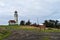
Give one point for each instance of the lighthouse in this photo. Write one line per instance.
(16, 17)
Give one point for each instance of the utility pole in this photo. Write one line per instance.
(37, 21)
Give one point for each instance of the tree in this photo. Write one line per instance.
(46, 23)
(51, 23)
(22, 22)
(34, 24)
(56, 23)
(28, 22)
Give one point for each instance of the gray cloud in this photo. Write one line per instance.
(29, 9)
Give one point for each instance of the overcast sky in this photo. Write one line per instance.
(29, 10)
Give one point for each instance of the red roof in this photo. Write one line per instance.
(12, 21)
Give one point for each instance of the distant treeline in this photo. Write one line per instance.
(52, 23)
(47, 23)
(25, 23)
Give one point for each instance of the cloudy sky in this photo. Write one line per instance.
(29, 10)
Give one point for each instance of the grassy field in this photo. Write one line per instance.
(5, 31)
(31, 28)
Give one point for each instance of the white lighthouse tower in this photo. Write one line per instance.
(16, 16)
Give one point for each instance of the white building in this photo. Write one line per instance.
(16, 17)
(15, 21)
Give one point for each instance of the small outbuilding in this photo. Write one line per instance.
(12, 22)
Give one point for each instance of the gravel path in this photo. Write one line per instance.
(29, 35)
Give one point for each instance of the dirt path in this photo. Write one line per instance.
(28, 35)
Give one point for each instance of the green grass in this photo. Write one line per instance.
(46, 38)
(7, 30)
(31, 28)
(4, 34)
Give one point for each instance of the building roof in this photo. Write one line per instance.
(15, 11)
(12, 21)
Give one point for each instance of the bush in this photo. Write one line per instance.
(28, 22)
(22, 22)
(49, 28)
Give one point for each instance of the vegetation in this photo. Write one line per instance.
(47, 23)
(52, 23)
(46, 38)
(22, 22)
(5, 31)
(25, 23)
(31, 28)
(28, 22)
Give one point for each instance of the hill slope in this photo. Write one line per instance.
(29, 35)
